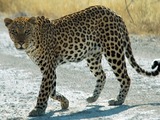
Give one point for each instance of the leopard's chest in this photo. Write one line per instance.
(37, 55)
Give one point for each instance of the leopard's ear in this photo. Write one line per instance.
(32, 20)
(7, 21)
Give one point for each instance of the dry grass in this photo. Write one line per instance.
(145, 13)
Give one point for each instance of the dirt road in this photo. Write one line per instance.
(20, 80)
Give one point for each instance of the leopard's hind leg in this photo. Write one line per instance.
(117, 62)
(94, 63)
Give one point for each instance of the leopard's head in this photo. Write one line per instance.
(21, 31)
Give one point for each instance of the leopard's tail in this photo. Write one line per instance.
(132, 61)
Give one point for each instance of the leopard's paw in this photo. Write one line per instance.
(113, 102)
(65, 104)
(36, 112)
(91, 99)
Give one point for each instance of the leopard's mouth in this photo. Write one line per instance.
(20, 46)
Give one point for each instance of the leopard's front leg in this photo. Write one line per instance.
(48, 81)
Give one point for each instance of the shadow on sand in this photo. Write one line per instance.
(93, 111)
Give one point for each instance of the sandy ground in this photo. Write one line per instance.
(20, 80)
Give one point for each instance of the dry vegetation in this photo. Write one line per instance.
(145, 13)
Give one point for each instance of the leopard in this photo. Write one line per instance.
(88, 34)
(155, 64)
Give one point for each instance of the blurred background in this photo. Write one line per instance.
(140, 16)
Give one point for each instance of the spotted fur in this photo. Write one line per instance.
(87, 34)
(156, 64)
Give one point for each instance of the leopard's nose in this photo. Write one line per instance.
(21, 42)
(21, 45)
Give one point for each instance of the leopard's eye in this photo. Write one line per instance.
(14, 32)
(27, 32)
